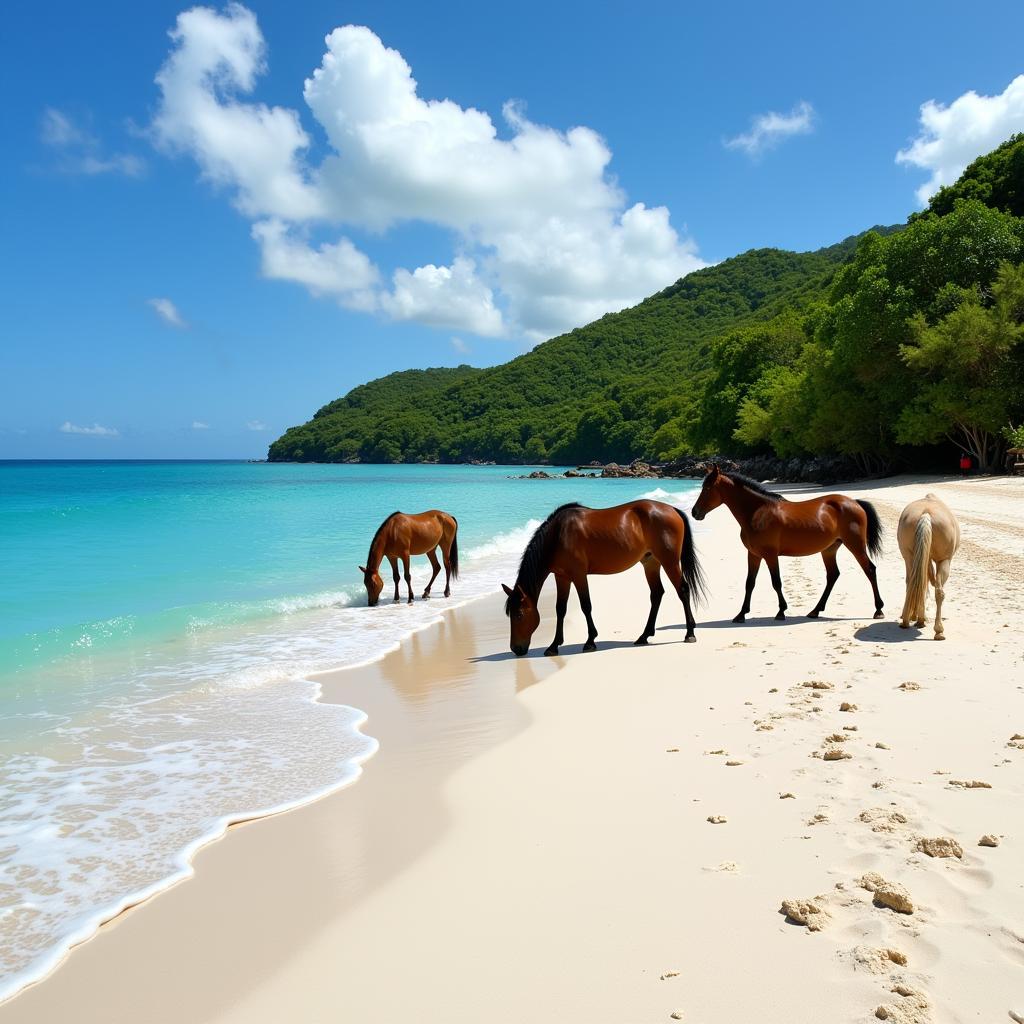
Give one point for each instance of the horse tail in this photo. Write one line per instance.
(874, 528)
(453, 554)
(690, 563)
(917, 579)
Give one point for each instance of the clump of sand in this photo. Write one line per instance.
(813, 914)
(882, 820)
(969, 784)
(818, 684)
(836, 754)
(909, 687)
(913, 1007)
(940, 846)
(887, 894)
(875, 960)
(847, 706)
(716, 819)
(988, 840)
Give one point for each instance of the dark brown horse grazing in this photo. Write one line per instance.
(771, 526)
(400, 536)
(574, 542)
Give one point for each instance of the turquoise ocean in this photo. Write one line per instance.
(159, 622)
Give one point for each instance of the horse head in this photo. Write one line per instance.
(524, 618)
(710, 496)
(373, 583)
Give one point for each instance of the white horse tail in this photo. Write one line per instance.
(917, 584)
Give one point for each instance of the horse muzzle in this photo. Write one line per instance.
(519, 649)
(697, 515)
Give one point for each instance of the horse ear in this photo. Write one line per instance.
(508, 590)
(713, 470)
(362, 569)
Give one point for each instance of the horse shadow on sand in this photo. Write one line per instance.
(570, 650)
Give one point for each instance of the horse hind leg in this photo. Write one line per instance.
(941, 575)
(562, 585)
(652, 569)
(828, 556)
(435, 565)
(408, 575)
(674, 572)
(773, 570)
(860, 552)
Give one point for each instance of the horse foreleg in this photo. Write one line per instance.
(583, 592)
(394, 572)
(828, 556)
(436, 566)
(408, 575)
(861, 554)
(561, 606)
(652, 569)
(941, 575)
(773, 570)
(753, 564)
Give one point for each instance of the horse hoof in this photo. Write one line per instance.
(426, 595)
(813, 615)
(879, 614)
(551, 651)
(590, 646)
(740, 618)
(640, 641)
(904, 625)
(780, 616)
(919, 624)
(447, 593)
(940, 636)
(691, 639)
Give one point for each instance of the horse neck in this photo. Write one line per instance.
(741, 502)
(533, 587)
(376, 555)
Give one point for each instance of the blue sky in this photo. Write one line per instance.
(171, 289)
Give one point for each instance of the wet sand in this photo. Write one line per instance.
(532, 840)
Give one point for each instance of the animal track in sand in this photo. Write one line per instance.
(733, 764)
(836, 737)
(817, 684)
(969, 784)
(909, 687)
(847, 706)
(786, 796)
(817, 819)
(836, 754)
(729, 867)
(882, 746)
(988, 840)
(875, 960)
(716, 819)
(669, 974)
(940, 846)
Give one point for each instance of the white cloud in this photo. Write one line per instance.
(255, 425)
(168, 312)
(94, 431)
(543, 237)
(951, 137)
(200, 425)
(768, 130)
(460, 346)
(80, 152)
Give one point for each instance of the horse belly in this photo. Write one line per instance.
(805, 540)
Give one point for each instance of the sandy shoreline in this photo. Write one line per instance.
(531, 841)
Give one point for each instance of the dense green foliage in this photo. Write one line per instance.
(900, 337)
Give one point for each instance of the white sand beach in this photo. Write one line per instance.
(532, 841)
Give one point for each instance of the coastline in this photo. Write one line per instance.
(524, 845)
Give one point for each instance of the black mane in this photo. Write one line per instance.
(533, 567)
(755, 486)
(377, 534)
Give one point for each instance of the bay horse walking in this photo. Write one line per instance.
(771, 526)
(929, 536)
(400, 536)
(575, 541)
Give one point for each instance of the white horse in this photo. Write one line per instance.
(929, 536)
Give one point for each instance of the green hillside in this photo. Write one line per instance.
(881, 345)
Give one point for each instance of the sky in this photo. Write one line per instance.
(217, 219)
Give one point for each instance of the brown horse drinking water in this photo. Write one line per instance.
(771, 526)
(400, 536)
(574, 542)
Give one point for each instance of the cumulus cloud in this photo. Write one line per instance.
(168, 312)
(94, 431)
(543, 238)
(255, 425)
(768, 130)
(79, 151)
(950, 137)
(200, 425)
